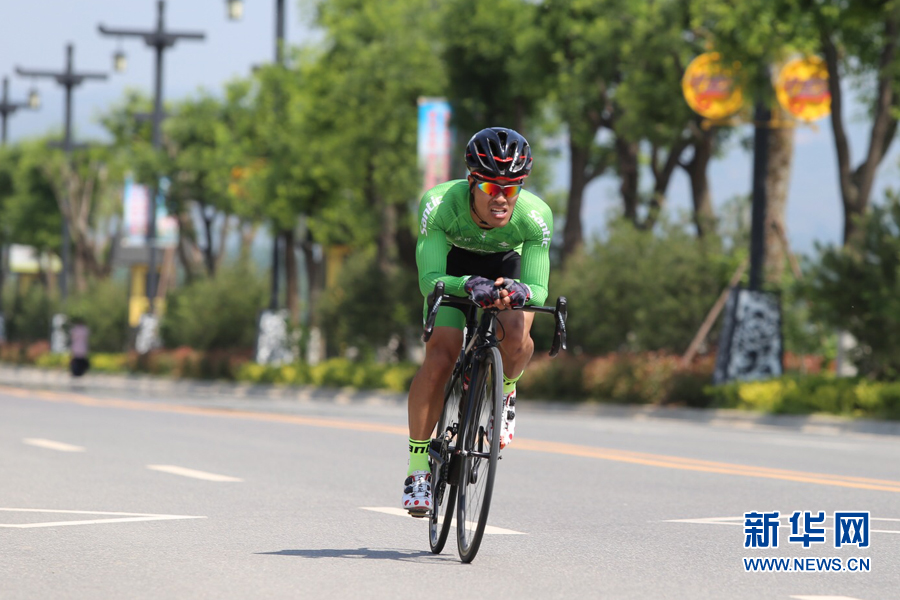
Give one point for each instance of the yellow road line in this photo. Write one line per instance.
(641, 458)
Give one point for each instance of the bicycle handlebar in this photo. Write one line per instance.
(560, 312)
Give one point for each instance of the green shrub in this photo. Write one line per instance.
(559, 378)
(28, 317)
(398, 377)
(105, 362)
(796, 394)
(365, 308)
(49, 360)
(857, 288)
(638, 290)
(104, 309)
(215, 313)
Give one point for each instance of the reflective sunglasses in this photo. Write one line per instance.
(492, 189)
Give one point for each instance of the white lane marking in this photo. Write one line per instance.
(191, 473)
(51, 445)
(740, 521)
(824, 598)
(399, 512)
(121, 518)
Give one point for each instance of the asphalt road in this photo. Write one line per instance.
(106, 495)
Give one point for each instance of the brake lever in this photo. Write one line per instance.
(559, 335)
(434, 304)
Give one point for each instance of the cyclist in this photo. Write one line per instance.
(488, 239)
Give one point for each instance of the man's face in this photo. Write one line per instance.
(496, 207)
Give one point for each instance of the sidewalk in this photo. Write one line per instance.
(32, 377)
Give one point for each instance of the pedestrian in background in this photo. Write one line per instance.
(79, 335)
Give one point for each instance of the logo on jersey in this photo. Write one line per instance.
(536, 217)
(429, 208)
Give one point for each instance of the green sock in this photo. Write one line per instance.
(510, 384)
(418, 456)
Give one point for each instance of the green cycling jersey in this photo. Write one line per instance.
(445, 221)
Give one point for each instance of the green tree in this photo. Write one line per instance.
(492, 80)
(639, 291)
(860, 40)
(30, 214)
(857, 289)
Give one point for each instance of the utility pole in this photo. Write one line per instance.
(279, 237)
(160, 40)
(235, 13)
(7, 108)
(69, 79)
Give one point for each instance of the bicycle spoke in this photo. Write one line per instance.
(480, 461)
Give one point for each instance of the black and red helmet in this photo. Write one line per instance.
(499, 154)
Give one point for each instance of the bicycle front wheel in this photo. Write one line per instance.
(481, 451)
(443, 490)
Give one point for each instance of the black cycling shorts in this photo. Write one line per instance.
(462, 262)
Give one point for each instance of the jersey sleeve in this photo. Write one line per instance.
(432, 248)
(536, 254)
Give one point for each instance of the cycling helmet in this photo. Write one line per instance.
(498, 153)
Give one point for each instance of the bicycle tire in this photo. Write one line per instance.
(443, 492)
(477, 472)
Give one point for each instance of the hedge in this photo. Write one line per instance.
(823, 393)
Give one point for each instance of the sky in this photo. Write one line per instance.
(34, 34)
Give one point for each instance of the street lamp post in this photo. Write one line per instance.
(236, 12)
(7, 108)
(762, 117)
(160, 40)
(69, 79)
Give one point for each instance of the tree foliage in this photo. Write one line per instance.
(857, 289)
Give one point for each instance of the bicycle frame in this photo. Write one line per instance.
(479, 335)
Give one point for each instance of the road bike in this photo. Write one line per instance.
(463, 454)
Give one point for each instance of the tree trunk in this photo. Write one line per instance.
(208, 252)
(856, 185)
(704, 218)
(78, 268)
(315, 278)
(627, 154)
(248, 234)
(778, 178)
(223, 239)
(290, 269)
(387, 237)
(406, 247)
(662, 175)
(572, 233)
(187, 248)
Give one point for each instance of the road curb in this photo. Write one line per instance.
(27, 376)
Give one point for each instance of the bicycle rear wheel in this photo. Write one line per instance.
(443, 491)
(479, 460)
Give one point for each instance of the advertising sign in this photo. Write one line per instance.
(750, 344)
(136, 214)
(435, 140)
(802, 88)
(710, 88)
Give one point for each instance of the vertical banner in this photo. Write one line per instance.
(136, 198)
(435, 140)
(135, 201)
(750, 345)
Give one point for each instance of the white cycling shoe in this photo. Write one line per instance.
(509, 421)
(417, 494)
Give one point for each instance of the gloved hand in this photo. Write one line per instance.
(482, 291)
(519, 293)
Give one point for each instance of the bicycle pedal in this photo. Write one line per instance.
(419, 514)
